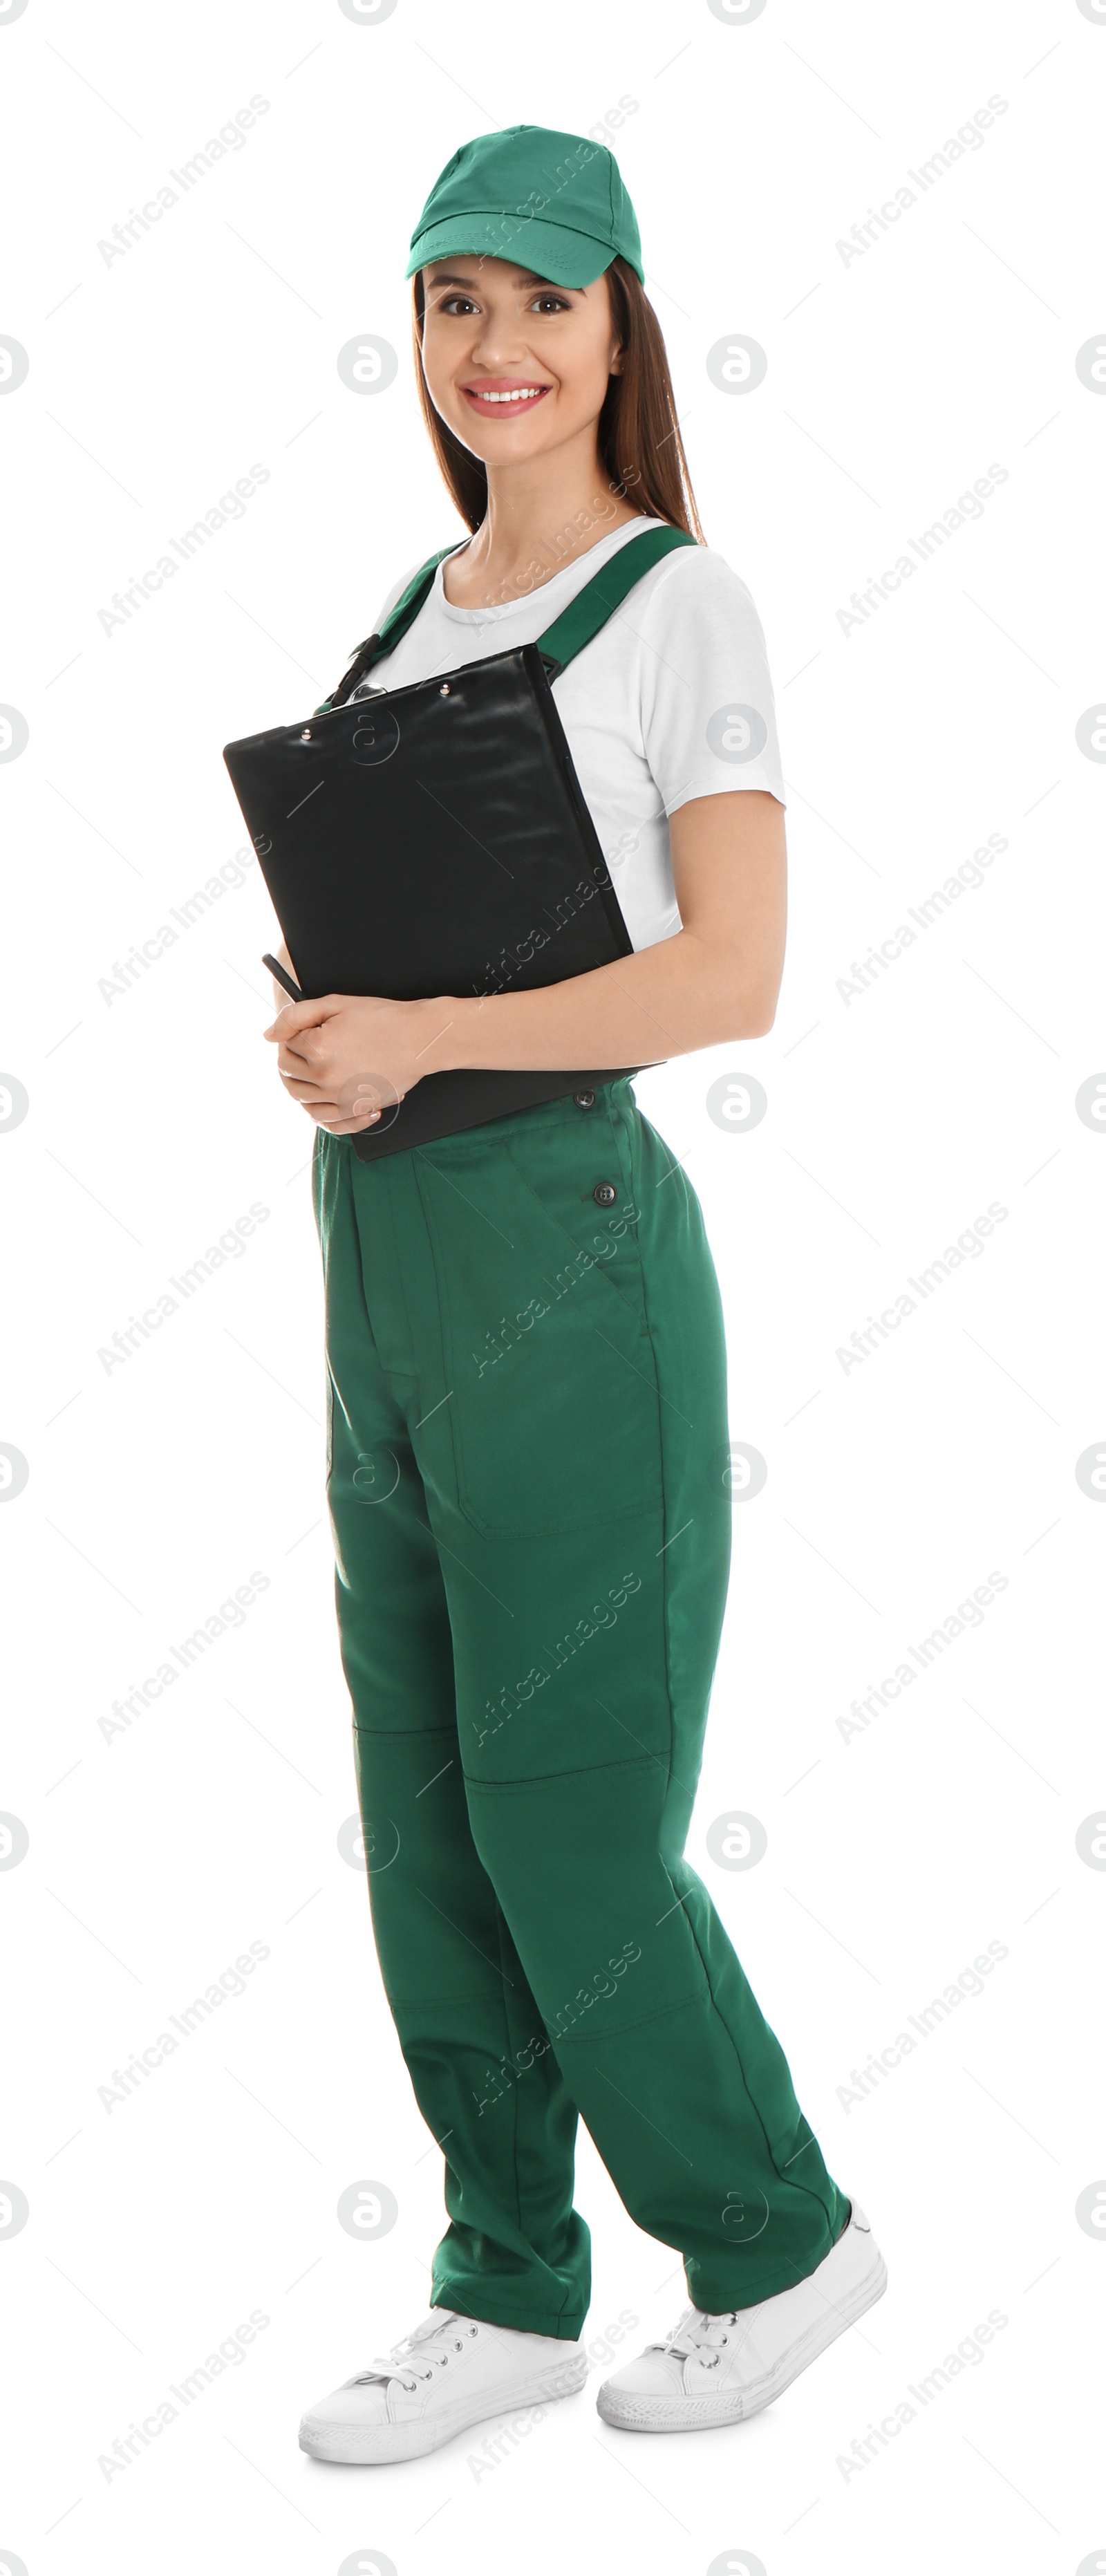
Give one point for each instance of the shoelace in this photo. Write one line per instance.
(695, 2332)
(398, 2362)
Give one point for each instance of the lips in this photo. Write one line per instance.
(504, 401)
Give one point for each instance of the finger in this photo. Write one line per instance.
(337, 1113)
(305, 1062)
(336, 1125)
(304, 1015)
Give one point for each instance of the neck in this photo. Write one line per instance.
(540, 515)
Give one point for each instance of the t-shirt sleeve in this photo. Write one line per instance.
(707, 707)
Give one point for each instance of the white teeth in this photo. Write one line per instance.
(520, 393)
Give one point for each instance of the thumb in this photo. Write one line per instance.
(297, 1016)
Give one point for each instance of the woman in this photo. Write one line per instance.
(526, 1457)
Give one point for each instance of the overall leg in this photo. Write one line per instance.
(515, 2252)
(572, 1448)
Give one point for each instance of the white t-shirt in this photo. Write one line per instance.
(672, 699)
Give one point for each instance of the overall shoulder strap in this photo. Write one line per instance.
(604, 593)
(582, 619)
(395, 625)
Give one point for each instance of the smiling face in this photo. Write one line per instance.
(515, 366)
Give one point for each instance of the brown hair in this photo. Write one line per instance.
(639, 438)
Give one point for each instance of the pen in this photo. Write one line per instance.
(282, 977)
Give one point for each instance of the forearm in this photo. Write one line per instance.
(714, 982)
(667, 1000)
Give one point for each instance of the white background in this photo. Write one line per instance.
(894, 1120)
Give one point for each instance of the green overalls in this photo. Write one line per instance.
(527, 1440)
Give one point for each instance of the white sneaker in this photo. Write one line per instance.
(448, 2373)
(719, 2369)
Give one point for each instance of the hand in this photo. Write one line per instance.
(347, 1056)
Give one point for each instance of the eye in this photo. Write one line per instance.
(546, 300)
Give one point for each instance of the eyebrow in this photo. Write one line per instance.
(521, 277)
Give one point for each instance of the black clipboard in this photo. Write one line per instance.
(435, 839)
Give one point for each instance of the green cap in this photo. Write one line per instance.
(553, 203)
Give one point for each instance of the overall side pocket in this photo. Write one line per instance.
(554, 1400)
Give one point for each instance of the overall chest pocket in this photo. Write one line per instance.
(553, 1403)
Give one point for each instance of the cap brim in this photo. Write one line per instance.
(525, 241)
